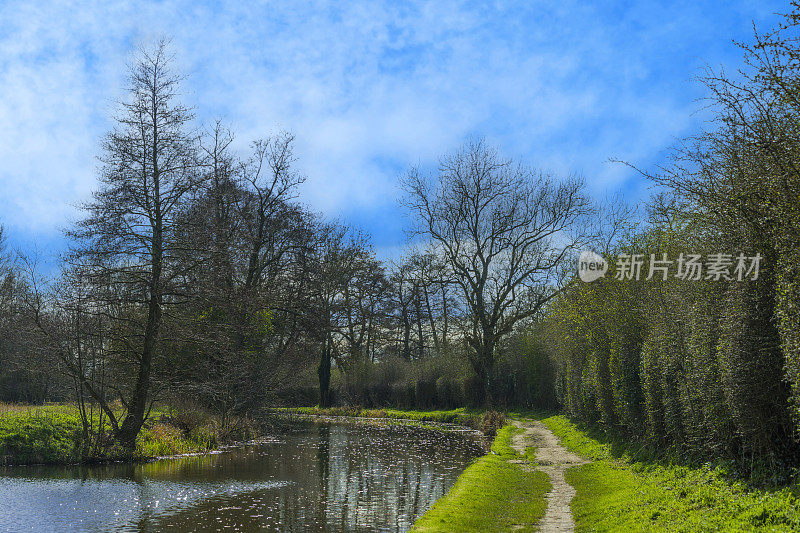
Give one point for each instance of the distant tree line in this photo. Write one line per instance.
(195, 276)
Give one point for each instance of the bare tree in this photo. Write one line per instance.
(150, 169)
(249, 242)
(347, 292)
(364, 295)
(272, 180)
(11, 334)
(403, 296)
(505, 233)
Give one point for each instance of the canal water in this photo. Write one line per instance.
(304, 476)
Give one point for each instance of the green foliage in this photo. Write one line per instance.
(752, 368)
(687, 367)
(594, 335)
(788, 313)
(528, 367)
(264, 320)
(159, 439)
(658, 385)
(708, 420)
(708, 367)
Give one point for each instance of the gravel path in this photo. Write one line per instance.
(553, 460)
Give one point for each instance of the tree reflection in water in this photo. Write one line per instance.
(307, 477)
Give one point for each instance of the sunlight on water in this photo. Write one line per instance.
(315, 477)
(94, 505)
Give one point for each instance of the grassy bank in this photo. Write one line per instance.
(486, 421)
(52, 434)
(492, 494)
(454, 416)
(617, 493)
(47, 434)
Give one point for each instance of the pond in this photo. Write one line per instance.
(304, 476)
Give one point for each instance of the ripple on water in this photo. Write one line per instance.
(307, 477)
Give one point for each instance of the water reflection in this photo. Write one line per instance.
(307, 477)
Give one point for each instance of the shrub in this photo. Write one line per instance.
(448, 393)
(491, 422)
(474, 394)
(425, 393)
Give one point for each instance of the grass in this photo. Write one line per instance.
(616, 493)
(492, 494)
(47, 434)
(454, 416)
(52, 434)
(486, 421)
(159, 439)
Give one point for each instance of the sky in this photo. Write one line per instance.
(368, 89)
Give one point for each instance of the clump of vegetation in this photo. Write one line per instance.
(491, 422)
(160, 439)
(454, 416)
(487, 422)
(704, 366)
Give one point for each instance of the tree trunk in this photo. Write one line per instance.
(406, 336)
(483, 365)
(135, 418)
(138, 405)
(488, 366)
(436, 347)
(324, 372)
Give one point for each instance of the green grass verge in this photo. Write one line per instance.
(492, 494)
(485, 421)
(614, 493)
(47, 434)
(453, 416)
(52, 434)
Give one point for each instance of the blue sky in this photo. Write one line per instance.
(368, 88)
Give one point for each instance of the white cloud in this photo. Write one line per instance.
(366, 87)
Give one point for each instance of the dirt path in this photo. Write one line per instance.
(553, 459)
